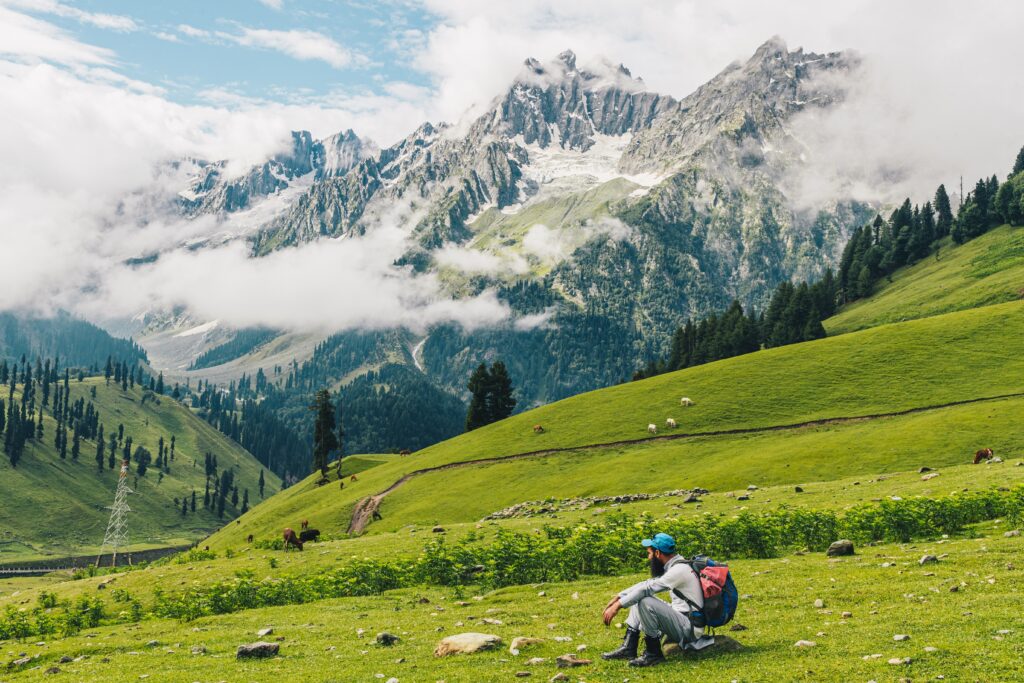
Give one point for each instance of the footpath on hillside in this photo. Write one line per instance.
(368, 508)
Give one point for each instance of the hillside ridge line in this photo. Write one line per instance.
(366, 507)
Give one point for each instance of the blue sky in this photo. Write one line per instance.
(195, 50)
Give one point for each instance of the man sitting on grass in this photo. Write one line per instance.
(653, 616)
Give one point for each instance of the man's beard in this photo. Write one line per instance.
(657, 568)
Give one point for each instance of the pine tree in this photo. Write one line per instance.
(245, 501)
(943, 212)
(476, 415)
(100, 450)
(500, 402)
(262, 483)
(193, 500)
(76, 445)
(206, 496)
(108, 370)
(112, 452)
(324, 439)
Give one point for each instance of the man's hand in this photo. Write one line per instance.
(611, 610)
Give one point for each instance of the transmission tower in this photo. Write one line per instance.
(117, 528)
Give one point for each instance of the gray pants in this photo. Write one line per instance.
(656, 618)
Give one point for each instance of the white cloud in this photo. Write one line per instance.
(273, 4)
(168, 37)
(29, 39)
(193, 32)
(112, 22)
(470, 260)
(551, 245)
(303, 45)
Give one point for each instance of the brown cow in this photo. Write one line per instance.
(983, 454)
(305, 524)
(290, 539)
(248, 538)
(538, 429)
(404, 452)
(353, 478)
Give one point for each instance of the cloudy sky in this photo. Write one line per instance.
(96, 93)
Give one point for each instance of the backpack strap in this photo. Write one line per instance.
(695, 611)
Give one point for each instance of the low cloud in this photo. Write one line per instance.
(551, 245)
(470, 260)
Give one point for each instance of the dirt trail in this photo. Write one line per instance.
(368, 507)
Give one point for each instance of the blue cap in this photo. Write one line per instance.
(662, 542)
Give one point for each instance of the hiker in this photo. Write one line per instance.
(653, 616)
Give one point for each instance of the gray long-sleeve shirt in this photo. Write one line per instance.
(678, 575)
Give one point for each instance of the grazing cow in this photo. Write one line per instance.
(342, 484)
(353, 478)
(983, 454)
(404, 452)
(538, 429)
(670, 423)
(248, 539)
(305, 524)
(307, 535)
(685, 402)
(290, 539)
(652, 428)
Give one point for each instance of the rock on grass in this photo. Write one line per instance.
(257, 650)
(466, 643)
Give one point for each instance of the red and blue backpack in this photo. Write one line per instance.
(720, 595)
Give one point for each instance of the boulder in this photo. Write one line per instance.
(798, 489)
(466, 643)
(721, 644)
(1012, 533)
(840, 548)
(924, 469)
(692, 498)
(264, 632)
(925, 559)
(804, 643)
(257, 650)
(930, 475)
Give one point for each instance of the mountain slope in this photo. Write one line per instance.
(849, 376)
(55, 507)
(986, 270)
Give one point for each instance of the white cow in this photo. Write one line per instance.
(670, 423)
(685, 402)
(652, 428)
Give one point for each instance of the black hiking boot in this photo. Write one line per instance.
(628, 648)
(652, 655)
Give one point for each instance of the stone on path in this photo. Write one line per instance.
(466, 643)
(257, 650)
(804, 643)
(840, 548)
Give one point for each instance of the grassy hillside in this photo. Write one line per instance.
(54, 507)
(942, 360)
(987, 270)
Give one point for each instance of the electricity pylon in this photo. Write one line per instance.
(117, 528)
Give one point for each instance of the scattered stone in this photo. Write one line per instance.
(523, 674)
(924, 469)
(692, 498)
(798, 489)
(264, 632)
(438, 530)
(257, 650)
(52, 670)
(900, 637)
(930, 475)
(743, 497)
(541, 594)
(1012, 533)
(492, 622)
(737, 627)
(153, 643)
(925, 559)
(840, 548)
(533, 661)
(66, 659)
(752, 487)
(387, 639)
(522, 641)
(954, 589)
(581, 647)
(994, 461)
(721, 644)
(575, 596)
(560, 676)
(466, 643)
(198, 650)
(562, 639)
(895, 661)
(931, 649)
(804, 643)
(819, 603)
(569, 661)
